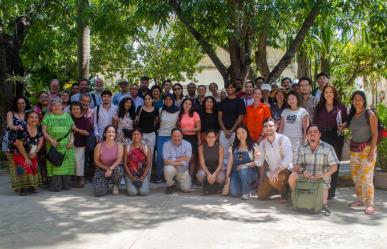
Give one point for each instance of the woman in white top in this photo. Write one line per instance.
(168, 120)
(294, 121)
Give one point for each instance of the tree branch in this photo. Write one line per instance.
(208, 49)
(296, 43)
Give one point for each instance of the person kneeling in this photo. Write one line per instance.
(211, 163)
(177, 155)
(276, 150)
(137, 162)
(315, 160)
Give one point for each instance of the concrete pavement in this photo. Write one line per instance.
(76, 219)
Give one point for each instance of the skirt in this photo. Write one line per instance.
(22, 175)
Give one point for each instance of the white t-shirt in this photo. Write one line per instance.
(293, 121)
(168, 121)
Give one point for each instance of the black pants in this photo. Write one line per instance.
(57, 183)
(337, 142)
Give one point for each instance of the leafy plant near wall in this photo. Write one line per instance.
(382, 147)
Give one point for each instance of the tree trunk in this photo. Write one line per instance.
(296, 43)
(83, 57)
(325, 64)
(302, 64)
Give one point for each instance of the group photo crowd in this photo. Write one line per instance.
(250, 139)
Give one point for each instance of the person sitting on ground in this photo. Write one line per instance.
(315, 160)
(211, 162)
(177, 155)
(137, 164)
(108, 161)
(276, 150)
(241, 171)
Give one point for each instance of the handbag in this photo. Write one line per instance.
(54, 156)
(357, 147)
(308, 195)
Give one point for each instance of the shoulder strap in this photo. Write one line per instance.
(97, 114)
(60, 139)
(93, 96)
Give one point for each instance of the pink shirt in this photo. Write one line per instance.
(188, 122)
(108, 155)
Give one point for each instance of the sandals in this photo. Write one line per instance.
(370, 210)
(356, 204)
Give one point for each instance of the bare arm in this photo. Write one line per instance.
(201, 160)
(120, 154)
(229, 165)
(97, 161)
(221, 159)
(281, 126)
(305, 124)
(374, 132)
(220, 120)
(148, 161)
(47, 136)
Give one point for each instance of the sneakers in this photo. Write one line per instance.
(325, 211)
(245, 196)
(115, 190)
(169, 191)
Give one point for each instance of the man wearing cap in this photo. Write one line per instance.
(287, 84)
(308, 101)
(144, 86)
(124, 92)
(322, 80)
(266, 91)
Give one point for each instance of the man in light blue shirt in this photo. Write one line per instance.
(83, 90)
(177, 154)
(124, 92)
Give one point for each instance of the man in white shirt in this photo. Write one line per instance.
(322, 80)
(104, 114)
(276, 150)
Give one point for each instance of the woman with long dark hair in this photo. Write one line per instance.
(137, 165)
(294, 121)
(108, 157)
(331, 117)
(24, 172)
(147, 118)
(279, 97)
(123, 121)
(189, 123)
(178, 94)
(209, 118)
(363, 124)
(241, 167)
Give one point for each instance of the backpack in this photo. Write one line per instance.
(382, 133)
(308, 195)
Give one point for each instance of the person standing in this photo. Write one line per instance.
(54, 89)
(259, 81)
(287, 84)
(123, 120)
(148, 118)
(364, 126)
(213, 87)
(84, 90)
(230, 116)
(266, 92)
(96, 94)
(178, 94)
(138, 101)
(331, 117)
(279, 96)
(168, 120)
(158, 101)
(294, 121)
(167, 86)
(308, 101)
(144, 86)
(124, 91)
(255, 115)
(24, 172)
(104, 114)
(65, 97)
(248, 98)
(322, 80)
(81, 129)
(198, 104)
(190, 125)
(191, 89)
(209, 118)
(58, 126)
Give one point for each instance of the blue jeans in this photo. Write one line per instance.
(242, 181)
(133, 190)
(161, 140)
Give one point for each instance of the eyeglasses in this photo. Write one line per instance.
(176, 89)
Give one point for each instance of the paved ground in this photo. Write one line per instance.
(76, 219)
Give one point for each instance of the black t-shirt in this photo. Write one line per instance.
(209, 121)
(231, 109)
(146, 120)
(83, 124)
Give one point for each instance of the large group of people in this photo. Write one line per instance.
(246, 139)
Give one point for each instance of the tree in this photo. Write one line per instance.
(83, 58)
